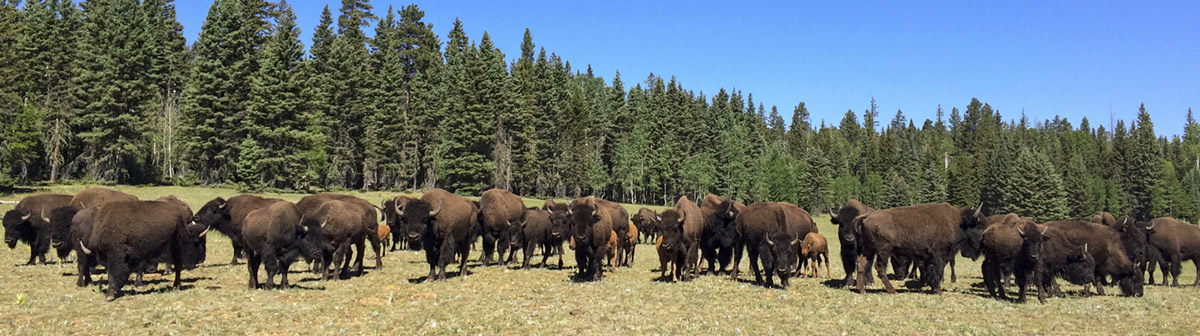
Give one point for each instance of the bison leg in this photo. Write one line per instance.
(1023, 286)
(271, 263)
(1176, 267)
(360, 246)
(881, 271)
(138, 282)
(118, 273)
(826, 262)
(991, 271)
(252, 262)
(737, 259)
(83, 265)
(377, 246)
(953, 277)
(752, 254)
(237, 251)
(283, 270)
(489, 245)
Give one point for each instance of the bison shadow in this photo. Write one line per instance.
(185, 280)
(449, 275)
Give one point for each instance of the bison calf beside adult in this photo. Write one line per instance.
(815, 249)
(926, 233)
(29, 222)
(130, 235)
(275, 237)
(368, 225)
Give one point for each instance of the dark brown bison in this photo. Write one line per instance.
(1008, 240)
(925, 233)
(847, 236)
(671, 255)
(804, 224)
(765, 231)
(1105, 249)
(1059, 257)
(498, 210)
(132, 235)
(686, 218)
(646, 221)
(717, 238)
(592, 221)
(560, 228)
(274, 237)
(29, 222)
(1135, 242)
(368, 224)
(340, 226)
(227, 216)
(97, 196)
(443, 222)
(72, 228)
(532, 231)
(1176, 242)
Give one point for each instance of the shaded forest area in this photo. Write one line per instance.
(109, 90)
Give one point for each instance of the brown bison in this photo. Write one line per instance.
(227, 216)
(367, 229)
(340, 224)
(925, 233)
(274, 237)
(671, 255)
(766, 231)
(816, 250)
(1105, 249)
(646, 221)
(847, 236)
(533, 230)
(1008, 240)
(689, 221)
(560, 228)
(29, 222)
(717, 237)
(391, 210)
(385, 235)
(131, 235)
(498, 209)
(1176, 242)
(592, 221)
(97, 196)
(444, 223)
(630, 245)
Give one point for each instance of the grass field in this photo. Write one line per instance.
(494, 300)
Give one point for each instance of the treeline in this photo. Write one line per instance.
(109, 90)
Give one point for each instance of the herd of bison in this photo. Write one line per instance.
(126, 235)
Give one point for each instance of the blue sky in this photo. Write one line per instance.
(1046, 58)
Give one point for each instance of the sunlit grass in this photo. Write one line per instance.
(495, 300)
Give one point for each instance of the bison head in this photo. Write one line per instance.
(1032, 239)
(311, 240)
(417, 218)
(672, 238)
(215, 213)
(15, 222)
(778, 252)
(60, 226)
(558, 218)
(516, 232)
(973, 224)
(583, 216)
(1133, 240)
(193, 244)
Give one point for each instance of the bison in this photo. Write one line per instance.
(131, 235)
(533, 230)
(847, 235)
(630, 243)
(443, 223)
(29, 222)
(671, 255)
(97, 196)
(498, 209)
(367, 228)
(925, 233)
(1105, 249)
(1176, 242)
(816, 250)
(717, 237)
(560, 228)
(391, 209)
(274, 237)
(766, 231)
(646, 221)
(340, 224)
(592, 222)
(385, 235)
(227, 216)
(688, 219)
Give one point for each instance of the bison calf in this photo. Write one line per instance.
(816, 250)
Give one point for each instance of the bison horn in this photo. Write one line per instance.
(26, 217)
(767, 238)
(1084, 247)
(44, 218)
(657, 218)
(84, 248)
(979, 209)
(81, 205)
(1151, 227)
(682, 216)
(437, 210)
(205, 232)
(1045, 229)
(595, 208)
(325, 222)
(223, 204)
(1022, 232)
(795, 241)
(832, 215)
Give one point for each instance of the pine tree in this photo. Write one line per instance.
(800, 133)
(1083, 202)
(10, 31)
(1036, 188)
(525, 136)
(896, 192)
(933, 184)
(387, 146)
(465, 166)
(349, 97)
(168, 72)
(1141, 179)
(423, 61)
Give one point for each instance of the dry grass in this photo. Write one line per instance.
(495, 300)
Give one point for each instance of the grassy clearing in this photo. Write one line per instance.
(495, 300)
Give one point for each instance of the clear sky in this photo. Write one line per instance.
(1046, 58)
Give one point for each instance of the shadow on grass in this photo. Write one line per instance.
(185, 280)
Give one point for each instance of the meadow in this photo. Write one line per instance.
(43, 299)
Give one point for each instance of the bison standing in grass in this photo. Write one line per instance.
(340, 227)
(560, 228)
(717, 238)
(689, 221)
(927, 233)
(391, 217)
(815, 249)
(768, 233)
(847, 236)
(646, 221)
(131, 235)
(1176, 242)
(367, 229)
(671, 255)
(592, 221)
(1105, 249)
(443, 223)
(274, 236)
(498, 210)
(29, 222)
(227, 216)
(533, 230)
